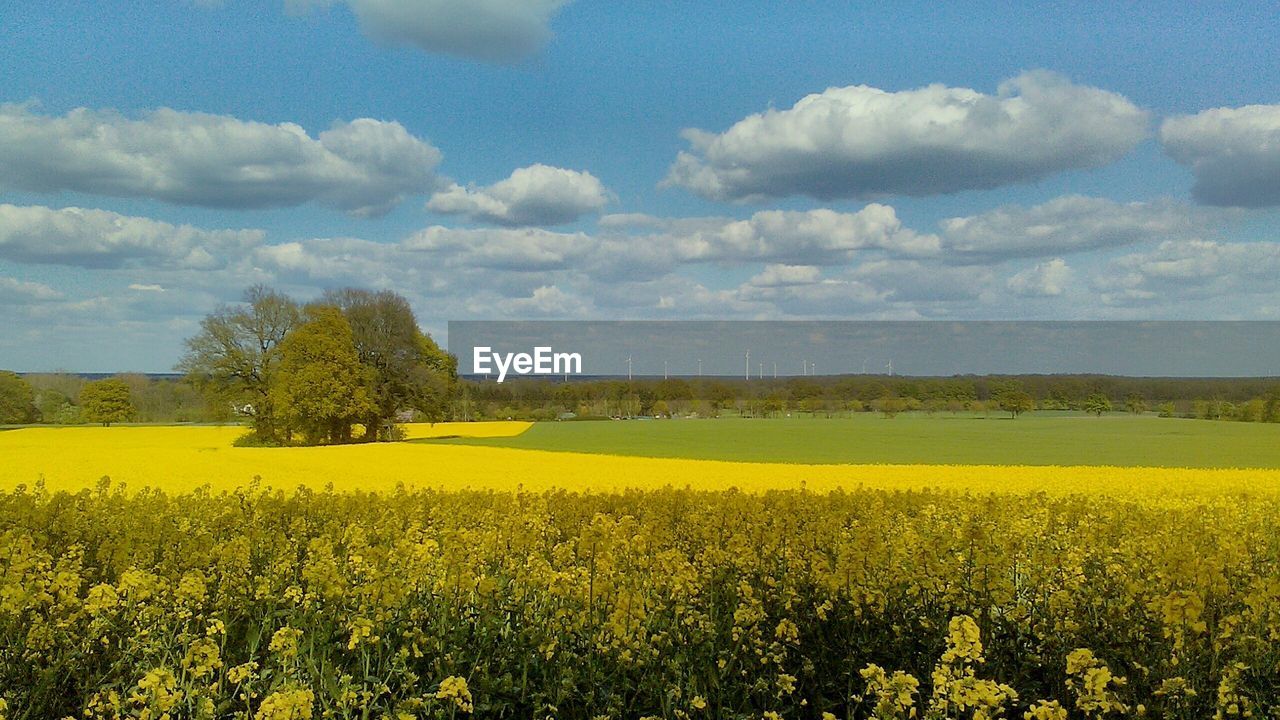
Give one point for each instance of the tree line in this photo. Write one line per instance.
(68, 399)
(1248, 399)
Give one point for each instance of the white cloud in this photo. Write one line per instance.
(860, 142)
(1199, 260)
(1070, 224)
(915, 281)
(146, 287)
(534, 195)
(819, 237)
(491, 30)
(786, 275)
(336, 261)
(546, 301)
(812, 237)
(1046, 279)
(1204, 269)
(102, 239)
(820, 297)
(525, 249)
(1233, 152)
(18, 292)
(631, 220)
(364, 167)
(669, 225)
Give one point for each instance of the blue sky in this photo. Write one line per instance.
(498, 159)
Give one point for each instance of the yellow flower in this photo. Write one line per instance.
(242, 673)
(101, 598)
(156, 694)
(202, 658)
(286, 704)
(285, 642)
(454, 689)
(361, 632)
(1046, 710)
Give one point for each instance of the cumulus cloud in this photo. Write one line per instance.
(656, 246)
(915, 281)
(817, 237)
(860, 142)
(811, 237)
(1200, 260)
(632, 222)
(491, 30)
(102, 239)
(435, 262)
(547, 301)
(1046, 279)
(328, 262)
(1180, 269)
(17, 292)
(534, 195)
(818, 296)
(786, 275)
(1070, 224)
(364, 167)
(1234, 154)
(526, 249)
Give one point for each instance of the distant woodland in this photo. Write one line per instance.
(59, 398)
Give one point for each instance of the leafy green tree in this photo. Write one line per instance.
(56, 407)
(1009, 396)
(1251, 411)
(1015, 402)
(773, 404)
(890, 405)
(106, 401)
(671, 389)
(17, 401)
(1135, 404)
(321, 389)
(721, 395)
(1097, 404)
(1271, 405)
(406, 369)
(235, 355)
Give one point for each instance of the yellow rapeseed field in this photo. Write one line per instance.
(417, 580)
(179, 459)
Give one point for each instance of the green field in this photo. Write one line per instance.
(1034, 439)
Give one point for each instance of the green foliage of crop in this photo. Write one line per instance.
(1032, 439)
